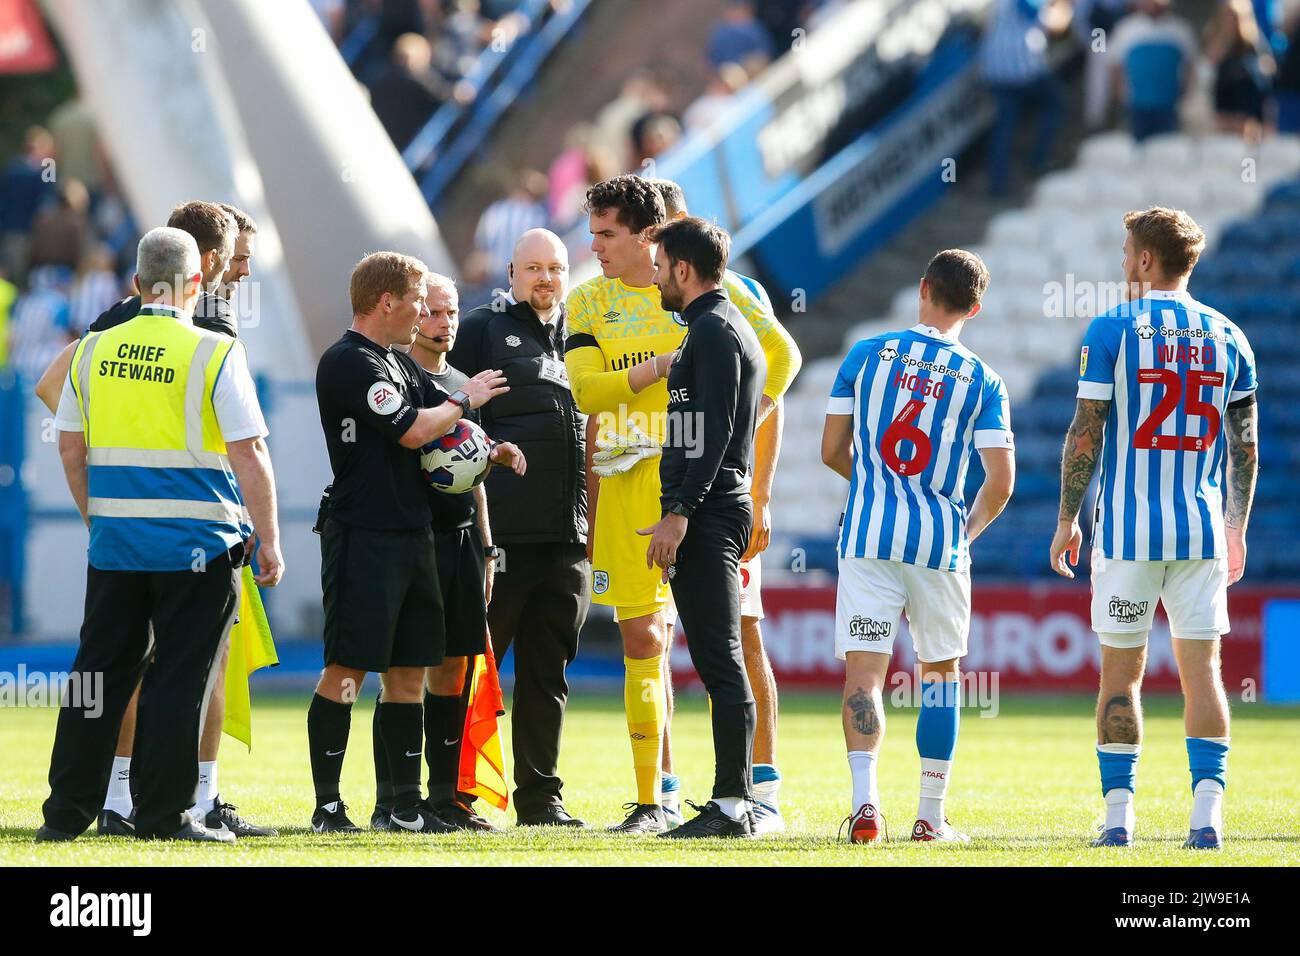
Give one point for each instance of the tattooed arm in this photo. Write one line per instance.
(1078, 461)
(1243, 466)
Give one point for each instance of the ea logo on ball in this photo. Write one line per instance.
(383, 398)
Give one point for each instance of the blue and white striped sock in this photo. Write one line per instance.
(936, 741)
(1118, 766)
(1207, 758)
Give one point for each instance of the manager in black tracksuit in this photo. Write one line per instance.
(540, 589)
(714, 386)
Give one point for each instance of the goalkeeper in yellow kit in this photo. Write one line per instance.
(620, 344)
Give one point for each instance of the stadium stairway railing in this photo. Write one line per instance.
(499, 77)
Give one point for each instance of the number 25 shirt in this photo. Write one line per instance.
(1170, 367)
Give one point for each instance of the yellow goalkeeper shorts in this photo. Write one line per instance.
(626, 503)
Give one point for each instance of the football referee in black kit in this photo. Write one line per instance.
(379, 576)
(714, 386)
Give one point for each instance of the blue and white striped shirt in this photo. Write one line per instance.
(921, 402)
(1170, 367)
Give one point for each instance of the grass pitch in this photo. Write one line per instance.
(1024, 787)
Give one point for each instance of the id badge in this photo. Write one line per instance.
(554, 371)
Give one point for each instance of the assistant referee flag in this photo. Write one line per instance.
(251, 649)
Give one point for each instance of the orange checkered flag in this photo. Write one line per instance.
(482, 755)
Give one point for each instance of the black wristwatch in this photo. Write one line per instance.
(461, 399)
(493, 553)
(679, 508)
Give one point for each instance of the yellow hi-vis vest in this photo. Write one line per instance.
(162, 495)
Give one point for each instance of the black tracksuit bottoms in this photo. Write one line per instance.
(191, 613)
(706, 589)
(540, 600)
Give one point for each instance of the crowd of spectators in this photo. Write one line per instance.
(1145, 69)
(412, 56)
(66, 240)
(642, 122)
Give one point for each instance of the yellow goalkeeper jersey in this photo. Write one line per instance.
(612, 326)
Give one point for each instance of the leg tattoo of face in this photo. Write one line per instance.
(865, 720)
(1119, 721)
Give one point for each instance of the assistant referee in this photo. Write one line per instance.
(714, 387)
(379, 575)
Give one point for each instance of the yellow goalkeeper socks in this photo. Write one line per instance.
(646, 705)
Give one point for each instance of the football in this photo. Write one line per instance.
(457, 461)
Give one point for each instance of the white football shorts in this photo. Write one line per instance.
(873, 594)
(751, 587)
(1124, 596)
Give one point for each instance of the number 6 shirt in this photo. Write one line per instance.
(1170, 367)
(921, 402)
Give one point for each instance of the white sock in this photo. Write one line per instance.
(862, 764)
(768, 792)
(934, 787)
(207, 792)
(1207, 805)
(118, 798)
(669, 799)
(734, 807)
(1119, 809)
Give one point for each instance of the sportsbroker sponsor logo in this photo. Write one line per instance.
(865, 629)
(1126, 612)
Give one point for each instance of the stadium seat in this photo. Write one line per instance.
(1070, 189)
(1170, 152)
(1108, 151)
(1015, 228)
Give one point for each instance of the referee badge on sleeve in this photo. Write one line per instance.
(1083, 360)
(383, 398)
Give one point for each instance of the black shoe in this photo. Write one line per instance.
(553, 816)
(333, 818)
(644, 818)
(224, 815)
(112, 823)
(711, 822)
(51, 835)
(460, 817)
(418, 819)
(381, 817)
(193, 833)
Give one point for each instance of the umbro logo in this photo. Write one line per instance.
(514, 341)
(638, 736)
(1145, 332)
(888, 353)
(612, 315)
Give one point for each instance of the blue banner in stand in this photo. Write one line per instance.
(865, 195)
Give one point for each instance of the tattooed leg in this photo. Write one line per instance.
(863, 712)
(1119, 703)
